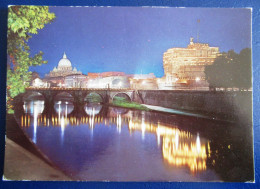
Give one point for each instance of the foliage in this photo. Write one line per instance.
(94, 98)
(122, 102)
(23, 21)
(230, 70)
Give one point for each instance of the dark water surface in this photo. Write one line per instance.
(116, 144)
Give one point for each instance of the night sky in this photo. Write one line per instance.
(133, 40)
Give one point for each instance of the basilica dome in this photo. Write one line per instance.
(64, 68)
(64, 62)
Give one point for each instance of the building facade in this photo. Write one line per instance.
(75, 81)
(64, 68)
(184, 67)
(113, 82)
(65, 76)
(143, 81)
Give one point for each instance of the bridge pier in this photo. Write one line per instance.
(79, 103)
(78, 110)
(18, 103)
(49, 107)
(137, 97)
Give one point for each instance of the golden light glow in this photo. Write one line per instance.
(179, 148)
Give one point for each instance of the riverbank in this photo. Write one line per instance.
(128, 104)
(188, 113)
(20, 164)
(23, 161)
(224, 105)
(146, 107)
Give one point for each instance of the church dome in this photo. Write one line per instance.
(64, 62)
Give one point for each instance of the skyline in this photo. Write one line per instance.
(133, 40)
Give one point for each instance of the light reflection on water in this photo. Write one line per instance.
(34, 108)
(174, 147)
(63, 107)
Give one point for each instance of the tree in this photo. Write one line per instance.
(243, 67)
(230, 70)
(220, 73)
(23, 21)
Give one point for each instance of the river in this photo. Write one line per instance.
(116, 144)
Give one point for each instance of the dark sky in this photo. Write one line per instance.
(133, 40)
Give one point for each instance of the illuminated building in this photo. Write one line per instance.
(105, 74)
(146, 84)
(143, 81)
(75, 80)
(184, 67)
(108, 82)
(64, 68)
(39, 83)
(64, 75)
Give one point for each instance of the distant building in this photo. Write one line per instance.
(75, 80)
(64, 68)
(144, 81)
(65, 76)
(144, 76)
(105, 74)
(184, 67)
(146, 84)
(108, 82)
(37, 82)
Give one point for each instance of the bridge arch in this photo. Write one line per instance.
(63, 96)
(63, 103)
(95, 97)
(121, 95)
(32, 101)
(33, 95)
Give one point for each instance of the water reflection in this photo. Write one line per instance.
(30, 107)
(93, 109)
(33, 108)
(109, 143)
(117, 110)
(179, 148)
(63, 107)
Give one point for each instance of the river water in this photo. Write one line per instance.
(116, 144)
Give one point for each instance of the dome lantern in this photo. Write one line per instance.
(64, 62)
(64, 55)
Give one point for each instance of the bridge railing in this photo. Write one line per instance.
(77, 88)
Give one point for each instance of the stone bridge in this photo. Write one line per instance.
(77, 95)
